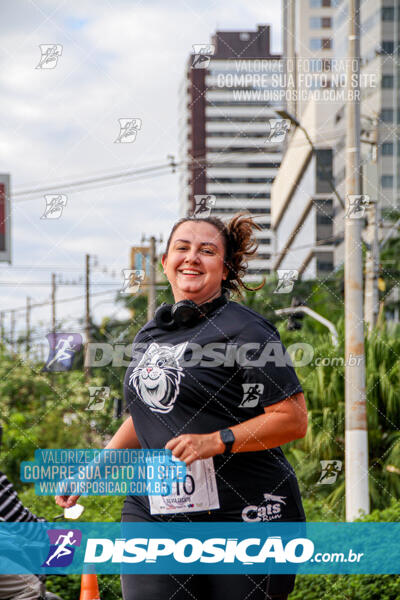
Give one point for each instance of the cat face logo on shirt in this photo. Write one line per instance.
(157, 377)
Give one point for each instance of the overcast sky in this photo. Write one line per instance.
(121, 58)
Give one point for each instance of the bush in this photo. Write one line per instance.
(349, 587)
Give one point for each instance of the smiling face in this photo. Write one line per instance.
(194, 264)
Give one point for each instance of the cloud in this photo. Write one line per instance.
(124, 59)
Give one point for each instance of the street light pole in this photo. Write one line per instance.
(292, 310)
(356, 437)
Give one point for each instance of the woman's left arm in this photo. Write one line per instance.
(281, 423)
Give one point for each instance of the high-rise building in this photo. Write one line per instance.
(302, 198)
(229, 94)
(308, 34)
(379, 100)
(380, 110)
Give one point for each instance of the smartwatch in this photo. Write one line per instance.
(228, 438)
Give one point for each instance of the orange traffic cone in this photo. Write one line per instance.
(89, 587)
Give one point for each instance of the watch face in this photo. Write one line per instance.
(227, 436)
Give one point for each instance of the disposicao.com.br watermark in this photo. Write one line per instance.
(217, 547)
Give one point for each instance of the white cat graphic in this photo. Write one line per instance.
(157, 377)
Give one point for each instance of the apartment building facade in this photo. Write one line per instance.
(227, 147)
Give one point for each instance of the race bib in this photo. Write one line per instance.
(197, 492)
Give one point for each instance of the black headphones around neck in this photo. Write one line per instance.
(186, 312)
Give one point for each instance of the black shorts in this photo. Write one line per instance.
(202, 587)
(206, 587)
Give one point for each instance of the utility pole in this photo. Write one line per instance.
(371, 299)
(53, 302)
(151, 294)
(87, 316)
(151, 306)
(356, 438)
(12, 330)
(28, 326)
(2, 328)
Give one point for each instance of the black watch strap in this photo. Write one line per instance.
(228, 438)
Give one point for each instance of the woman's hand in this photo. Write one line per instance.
(193, 446)
(66, 501)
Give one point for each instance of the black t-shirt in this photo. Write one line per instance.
(220, 372)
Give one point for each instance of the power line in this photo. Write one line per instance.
(46, 303)
(101, 180)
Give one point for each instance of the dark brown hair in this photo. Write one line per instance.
(239, 242)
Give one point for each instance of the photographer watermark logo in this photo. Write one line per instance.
(62, 349)
(132, 281)
(62, 547)
(202, 55)
(98, 397)
(251, 394)
(357, 205)
(286, 280)
(50, 54)
(203, 205)
(55, 204)
(128, 129)
(330, 471)
(277, 130)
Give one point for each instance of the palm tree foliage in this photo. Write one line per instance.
(323, 385)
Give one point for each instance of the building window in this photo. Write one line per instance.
(388, 13)
(324, 266)
(240, 179)
(320, 22)
(391, 115)
(321, 3)
(233, 209)
(387, 115)
(259, 271)
(387, 47)
(315, 44)
(387, 149)
(323, 170)
(262, 196)
(387, 181)
(320, 44)
(387, 81)
(263, 256)
(265, 241)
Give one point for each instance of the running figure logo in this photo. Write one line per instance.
(62, 349)
(202, 55)
(278, 128)
(55, 204)
(61, 552)
(286, 279)
(132, 280)
(98, 397)
(128, 129)
(203, 205)
(330, 471)
(356, 206)
(251, 394)
(50, 54)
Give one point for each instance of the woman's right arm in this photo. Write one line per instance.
(125, 437)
